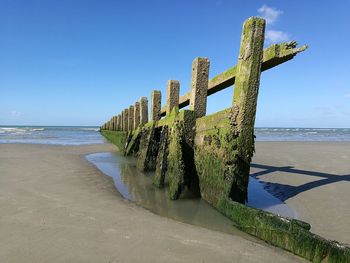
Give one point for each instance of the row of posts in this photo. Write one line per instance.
(137, 115)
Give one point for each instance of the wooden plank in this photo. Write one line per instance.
(273, 56)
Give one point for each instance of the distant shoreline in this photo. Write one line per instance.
(78, 135)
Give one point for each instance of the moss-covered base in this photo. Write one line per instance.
(118, 138)
(221, 171)
(148, 148)
(162, 158)
(180, 164)
(133, 144)
(292, 235)
(176, 168)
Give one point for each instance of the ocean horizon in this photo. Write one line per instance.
(53, 135)
(79, 135)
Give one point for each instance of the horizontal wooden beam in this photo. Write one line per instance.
(273, 56)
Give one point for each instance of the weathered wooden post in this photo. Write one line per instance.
(156, 98)
(136, 115)
(199, 86)
(119, 122)
(245, 99)
(173, 93)
(143, 110)
(223, 166)
(114, 123)
(123, 123)
(126, 120)
(131, 118)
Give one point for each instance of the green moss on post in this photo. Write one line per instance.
(176, 168)
(245, 100)
(181, 136)
(118, 138)
(132, 146)
(216, 156)
(148, 149)
(290, 234)
(162, 158)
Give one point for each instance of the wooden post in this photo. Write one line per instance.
(122, 116)
(245, 100)
(114, 123)
(172, 95)
(199, 86)
(131, 118)
(248, 79)
(119, 122)
(143, 110)
(126, 120)
(156, 98)
(136, 115)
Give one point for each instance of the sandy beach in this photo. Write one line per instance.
(311, 177)
(57, 207)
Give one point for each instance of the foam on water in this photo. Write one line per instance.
(59, 135)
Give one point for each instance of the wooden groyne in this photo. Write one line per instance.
(210, 155)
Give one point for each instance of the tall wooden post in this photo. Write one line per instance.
(199, 86)
(119, 122)
(245, 99)
(126, 120)
(136, 115)
(172, 95)
(131, 118)
(123, 123)
(143, 110)
(114, 123)
(156, 98)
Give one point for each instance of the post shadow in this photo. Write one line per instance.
(285, 191)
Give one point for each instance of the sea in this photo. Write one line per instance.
(78, 135)
(54, 135)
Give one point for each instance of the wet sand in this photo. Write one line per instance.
(311, 177)
(57, 207)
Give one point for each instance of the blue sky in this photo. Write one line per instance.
(79, 62)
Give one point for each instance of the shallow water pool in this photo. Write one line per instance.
(137, 187)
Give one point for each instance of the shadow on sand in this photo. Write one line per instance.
(284, 191)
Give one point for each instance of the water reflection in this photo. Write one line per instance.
(137, 187)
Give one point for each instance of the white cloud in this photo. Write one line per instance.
(270, 14)
(274, 36)
(347, 95)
